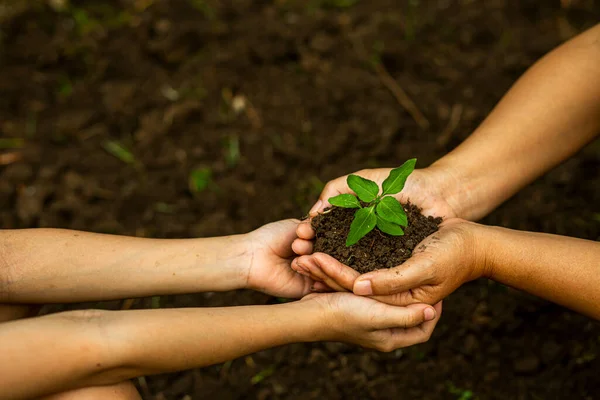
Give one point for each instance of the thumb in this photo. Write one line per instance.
(413, 273)
(404, 317)
(331, 189)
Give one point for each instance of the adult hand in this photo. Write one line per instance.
(439, 265)
(372, 324)
(270, 257)
(431, 188)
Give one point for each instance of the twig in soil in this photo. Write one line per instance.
(390, 83)
(144, 387)
(10, 158)
(253, 116)
(127, 303)
(401, 96)
(453, 122)
(225, 370)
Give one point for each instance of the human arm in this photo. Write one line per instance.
(558, 268)
(53, 265)
(69, 350)
(551, 112)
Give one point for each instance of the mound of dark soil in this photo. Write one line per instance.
(377, 249)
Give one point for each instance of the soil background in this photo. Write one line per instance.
(276, 98)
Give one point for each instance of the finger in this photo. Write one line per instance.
(403, 317)
(321, 287)
(302, 247)
(401, 299)
(299, 267)
(413, 273)
(342, 274)
(331, 189)
(418, 334)
(305, 230)
(310, 263)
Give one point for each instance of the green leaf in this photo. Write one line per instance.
(199, 179)
(364, 222)
(345, 201)
(262, 375)
(391, 210)
(389, 227)
(118, 150)
(11, 143)
(365, 189)
(394, 183)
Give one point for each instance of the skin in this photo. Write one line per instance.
(549, 114)
(92, 353)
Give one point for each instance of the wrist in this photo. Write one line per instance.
(242, 251)
(219, 264)
(484, 248)
(455, 187)
(310, 318)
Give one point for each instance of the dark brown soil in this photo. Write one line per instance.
(159, 76)
(377, 249)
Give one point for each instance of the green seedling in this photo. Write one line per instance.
(262, 375)
(199, 179)
(461, 394)
(232, 150)
(155, 302)
(381, 210)
(118, 150)
(11, 143)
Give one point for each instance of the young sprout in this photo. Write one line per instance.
(381, 210)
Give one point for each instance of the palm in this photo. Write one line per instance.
(421, 189)
(270, 270)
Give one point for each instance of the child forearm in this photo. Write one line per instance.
(54, 265)
(550, 113)
(79, 349)
(560, 269)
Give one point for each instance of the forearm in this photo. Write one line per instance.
(71, 350)
(560, 269)
(550, 113)
(53, 265)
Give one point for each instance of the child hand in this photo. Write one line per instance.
(269, 268)
(439, 265)
(372, 324)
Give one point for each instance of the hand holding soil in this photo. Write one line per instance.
(432, 189)
(439, 265)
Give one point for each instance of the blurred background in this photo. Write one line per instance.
(190, 118)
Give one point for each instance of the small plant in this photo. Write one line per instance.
(199, 180)
(119, 151)
(381, 210)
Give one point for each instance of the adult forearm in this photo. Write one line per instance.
(53, 265)
(550, 113)
(560, 269)
(81, 349)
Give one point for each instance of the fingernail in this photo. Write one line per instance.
(363, 288)
(316, 207)
(429, 314)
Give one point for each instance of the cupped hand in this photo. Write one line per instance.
(372, 324)
(271, 255)
(439, 265)
(428, 188)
